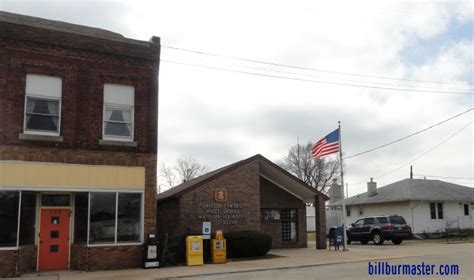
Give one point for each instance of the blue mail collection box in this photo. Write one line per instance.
(336, 237)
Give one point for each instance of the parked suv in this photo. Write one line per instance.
(378, 229)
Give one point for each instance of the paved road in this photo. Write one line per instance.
(359, 270)
(302, 263)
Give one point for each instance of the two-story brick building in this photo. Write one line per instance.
(78, 145)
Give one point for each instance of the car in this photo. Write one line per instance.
(378, 229)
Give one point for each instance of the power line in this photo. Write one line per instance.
(430, 150)
(313, 81)
(445, 177)
(309, 68)
(408, 136)
(423, 154)
(318, 76)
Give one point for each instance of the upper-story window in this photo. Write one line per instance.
(42, 105)
(118, 112)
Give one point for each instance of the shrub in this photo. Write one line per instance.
(246, 244)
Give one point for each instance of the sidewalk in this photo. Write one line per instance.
(289, 258)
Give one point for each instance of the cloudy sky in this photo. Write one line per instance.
(385, 69)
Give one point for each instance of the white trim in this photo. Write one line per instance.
(285, 189)
(19, 220)
(65, 189)
(61, 163)
(36, 132)
(115, 244)
(142, 219)
(88, 216)
(115, 137)
(116, 217)
(9, 248)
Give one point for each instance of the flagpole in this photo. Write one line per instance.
(342, 191)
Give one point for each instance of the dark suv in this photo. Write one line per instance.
(378, 229)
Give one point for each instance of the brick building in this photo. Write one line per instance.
(78, 145)
(252, 194)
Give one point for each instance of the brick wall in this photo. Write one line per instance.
(78, 257)
(274, 197)
(27, 259)
(242, 185)
(320, 216)
(166, 218)
(8, 263)
(84, 64)
(245, 188)
(114, 257)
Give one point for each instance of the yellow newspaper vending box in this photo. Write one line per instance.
(219, 248)
(194, 250)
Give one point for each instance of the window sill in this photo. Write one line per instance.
(36, 137)
(114, 244)
(117, 143)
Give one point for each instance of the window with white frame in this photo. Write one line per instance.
(436, 210)
(118, 119)
(42, 105)
(115, 218)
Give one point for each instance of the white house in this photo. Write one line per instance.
(427, 205)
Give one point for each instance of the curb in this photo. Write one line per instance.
(279, 268)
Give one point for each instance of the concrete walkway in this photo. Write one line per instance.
(288, 258)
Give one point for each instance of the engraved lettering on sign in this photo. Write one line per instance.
(222, 213)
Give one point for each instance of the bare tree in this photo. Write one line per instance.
(185, 169)
(317, 173)
(189, 168)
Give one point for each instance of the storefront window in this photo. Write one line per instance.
(128, 220)
(81, 203)
(102, 218)
(27, 219)
(8, 218)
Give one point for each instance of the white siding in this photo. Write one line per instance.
(453, 213)
(310, 219)
(417, 214)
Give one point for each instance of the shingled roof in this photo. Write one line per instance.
(414, 189)
(267, 168)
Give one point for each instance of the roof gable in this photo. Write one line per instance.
(298, 185)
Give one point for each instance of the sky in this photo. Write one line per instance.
(384, 69)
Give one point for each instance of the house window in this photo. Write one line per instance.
(270, 215)
(440, 210)
(436, 210)
(115, 218)
(348, 211)
(42, 105)
(466, 209)
(118, 116)
(289, 225)
(9, 202)
(361, 211)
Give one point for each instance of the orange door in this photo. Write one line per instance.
(54, 239)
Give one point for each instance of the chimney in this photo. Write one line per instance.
(371, 187)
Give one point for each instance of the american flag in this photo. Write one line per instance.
(327, 145)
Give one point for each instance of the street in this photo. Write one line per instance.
(358, 270)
